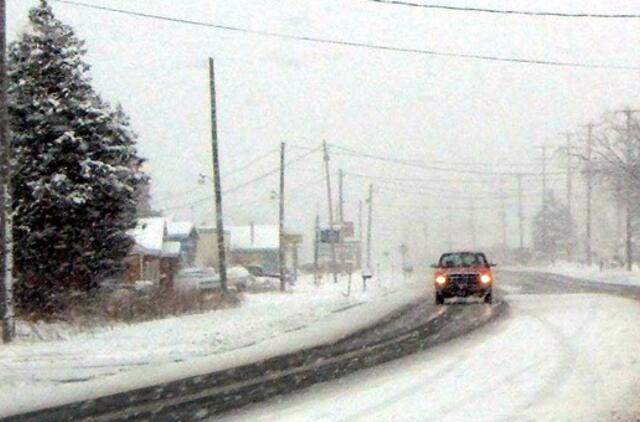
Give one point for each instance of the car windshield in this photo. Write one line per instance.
(227, 208)
(464, 259)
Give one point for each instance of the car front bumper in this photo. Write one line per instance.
(467, 285)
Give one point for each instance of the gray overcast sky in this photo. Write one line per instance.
(395, 104)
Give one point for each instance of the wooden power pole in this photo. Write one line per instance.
(627, 191)
(589, 180)
(569, 191)
(520, 211)
(545, 234)
(341, 216)
(503, 215)
(330, 205)
(316, 244)
(370, 203)
(217, 183)
(360, 237)
(6, 238)
(281, 250)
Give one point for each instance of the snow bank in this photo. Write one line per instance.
(38, 374)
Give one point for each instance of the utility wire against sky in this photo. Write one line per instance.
(411, 163)
(355, 44)
(510, 11)
(423, 179)
(244, 184)
(353, 153)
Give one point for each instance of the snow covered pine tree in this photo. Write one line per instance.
(77, 175)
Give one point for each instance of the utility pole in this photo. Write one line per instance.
(341, 212)
(589, 180)
(545, 235)
(340, 195)
(282, 250)
(6, 235)
(370, 202)
(330, 204)
(216, 182)
(503, 215)
(569, 190)
(425, 232)
(627, 194)
(360, 237)
(449, 229)
(520, 211)
(472, 223)
(316, 242)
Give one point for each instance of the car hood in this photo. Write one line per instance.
(463, 270)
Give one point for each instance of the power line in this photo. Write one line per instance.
(452, 195)
(244, 184)
(510, 12)
(251, 162)
(165, 195)
(504, 59)
(421, 186)
(428, 180)
(416, 164)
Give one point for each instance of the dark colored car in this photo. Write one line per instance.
(463, 274)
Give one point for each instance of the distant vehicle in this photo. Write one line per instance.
(256, 270)
(208, 279)
(463, 274)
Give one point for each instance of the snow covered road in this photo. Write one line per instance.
(558, 356)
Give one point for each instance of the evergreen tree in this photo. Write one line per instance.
(76, 168)
(553, 229)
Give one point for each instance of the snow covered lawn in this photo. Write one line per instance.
(82, 365)
(583, 272)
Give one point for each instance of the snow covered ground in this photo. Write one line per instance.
(583, 272)
(556, 357)
(82, 365)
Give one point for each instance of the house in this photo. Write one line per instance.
(255, 245)
(186, 234)
(153, 257)
(207, 251)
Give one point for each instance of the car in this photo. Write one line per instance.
(208, 279)
(255, 270)
(463, 274)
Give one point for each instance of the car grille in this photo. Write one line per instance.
(463, 278)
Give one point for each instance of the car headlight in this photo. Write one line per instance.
(485, 278)
(441, 279)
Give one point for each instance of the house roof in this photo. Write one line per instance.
(149, 235)
(179, 230)
(264, 237)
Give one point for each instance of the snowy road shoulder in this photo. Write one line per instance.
(42, 374)
(556, 357)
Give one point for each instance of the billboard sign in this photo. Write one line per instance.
(329, 235)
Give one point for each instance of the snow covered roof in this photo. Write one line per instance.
(179, 230)
(149, 235)
(171, 249)
(264, 237)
